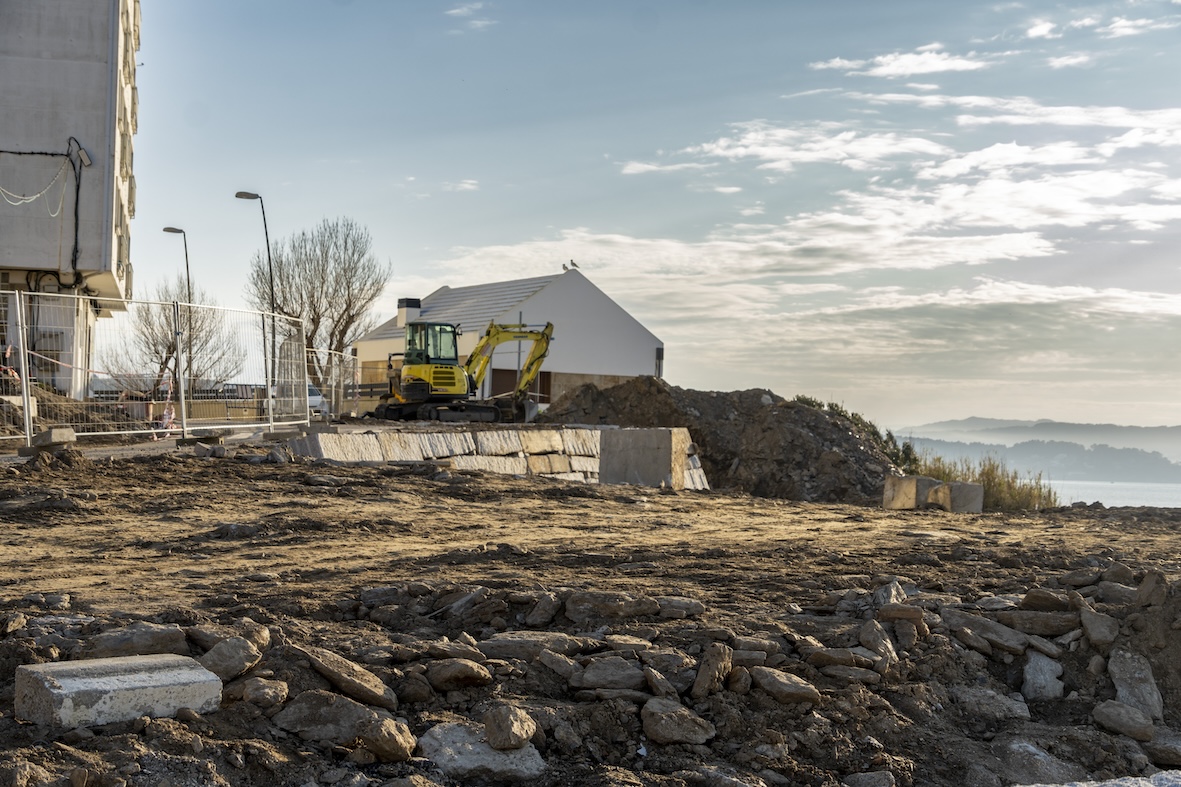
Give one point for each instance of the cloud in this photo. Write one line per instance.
(467, 12)
(1121, 27)
(463, 185)
(1042, 29)
(643, 168)
(727, 189)
(780, 149)
(1024, 111)
(905, 64)
(1069, 61)
(467, 9)
(1007, 156)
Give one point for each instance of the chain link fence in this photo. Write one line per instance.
(106, 367)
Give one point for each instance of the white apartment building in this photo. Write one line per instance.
(68, 111)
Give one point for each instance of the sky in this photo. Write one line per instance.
(920, 210)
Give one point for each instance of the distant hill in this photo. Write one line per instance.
(1063, 461)
(1165, 440)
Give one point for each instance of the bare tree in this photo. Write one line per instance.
(329, 278)
(162, 334)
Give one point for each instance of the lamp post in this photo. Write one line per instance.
(270, 271)
(189, 298)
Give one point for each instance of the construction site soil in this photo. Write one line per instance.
(649, 636)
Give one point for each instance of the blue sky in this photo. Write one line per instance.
(922, 210)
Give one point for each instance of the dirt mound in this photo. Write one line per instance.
(754, 441)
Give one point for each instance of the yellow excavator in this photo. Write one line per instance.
(431, 384)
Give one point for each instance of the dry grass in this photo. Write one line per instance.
(1004, 489)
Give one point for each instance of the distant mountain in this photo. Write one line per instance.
(1063, 461)
(1165, 440)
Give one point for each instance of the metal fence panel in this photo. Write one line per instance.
(114, 367)
(335, 376)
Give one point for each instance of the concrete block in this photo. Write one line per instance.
(584, 464)
(539, 464)
(440, 445)
(695, 478)
(400, 446)
(959, 497)
(350, 447)
(541, 441)
(18, 403)
(498, 443)
(580, 442)
(647, 457)
(579, 477)
(58, 435)
(907, 492)
(508, 465)
(103, 691)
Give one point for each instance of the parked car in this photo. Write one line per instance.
(317, 404)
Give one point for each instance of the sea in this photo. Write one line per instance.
(1118, 493)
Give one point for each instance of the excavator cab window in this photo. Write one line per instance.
(431, 342)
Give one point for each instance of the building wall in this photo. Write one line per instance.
(68, 82)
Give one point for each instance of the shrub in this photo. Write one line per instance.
(1004, 489)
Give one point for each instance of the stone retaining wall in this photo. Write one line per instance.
(567, 453)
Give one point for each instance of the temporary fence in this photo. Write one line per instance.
(105, 366)
(336, 377)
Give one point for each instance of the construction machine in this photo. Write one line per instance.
(431, 384)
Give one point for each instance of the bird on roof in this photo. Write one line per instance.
(565, 267)
(573, 264)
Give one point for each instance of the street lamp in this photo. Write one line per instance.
(189, 297)
(270, 270)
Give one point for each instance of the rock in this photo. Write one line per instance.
(658, 684)
(889, 594)
(858, 674)
(823, 657)
(1124, 719)
(389, 739)
(610, 672)
(1045, 624)
(1021, 761)
(543, 612)
(508, 727)
(1134, 684)
(563, 665)
(1118, 572)
(1165, 747)
(893, 612)
(350, 679)
(585, 606)
(1080, 577)
(263, 692)
(452, 674)
(1101, 630)
(907, 634)
(1041, 677)
(415, 688)
(783, 686)
(869, 779)
(986, 704)
(230, 658)
(324, 716)
(678, 607)
(13, 622)
(139, 639)
(996, 634)
(1153, 590)
(716, 663)
(668, 721)
(1042, 600)
(527, 645)
(1115, 593)
(460, 752)
(874, 637)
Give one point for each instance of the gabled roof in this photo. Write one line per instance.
(471, 307)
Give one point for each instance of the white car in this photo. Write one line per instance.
(317, 404)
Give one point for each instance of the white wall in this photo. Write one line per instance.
(592, 333)
(67, 70)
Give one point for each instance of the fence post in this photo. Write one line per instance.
(181, 397)
(26, 384)
(268, 375)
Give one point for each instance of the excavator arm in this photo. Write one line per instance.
(496, 335)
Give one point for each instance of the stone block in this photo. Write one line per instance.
(508, 465)
(646, 457)
(539, 464)
(442, 445)
(907, 492)
(498, 443)
(541, 441)
(400, 446)
(584, 464)
(103, 691)
(695, 478)
(580, 442)
(558, 464)
(58, 435)
(958, 497)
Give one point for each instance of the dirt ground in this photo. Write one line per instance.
(173, 538)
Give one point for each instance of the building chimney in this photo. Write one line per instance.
(408, 310)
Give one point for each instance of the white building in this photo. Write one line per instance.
(595, 339)
(67, 115)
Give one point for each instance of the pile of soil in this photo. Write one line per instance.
(751, 441)
(650, 637)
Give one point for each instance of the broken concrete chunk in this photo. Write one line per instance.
(460, 751)
(1041, 677)
(958, 497)
(102, 691)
